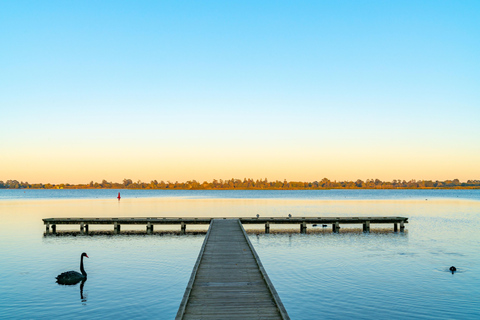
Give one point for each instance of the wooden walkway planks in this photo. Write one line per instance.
(207, 220)
(228, 280)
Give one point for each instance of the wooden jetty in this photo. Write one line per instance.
(228, 280)
(335, 222)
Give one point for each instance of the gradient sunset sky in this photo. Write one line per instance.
(296, 90)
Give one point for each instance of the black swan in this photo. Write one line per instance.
(453, 269)
(73, 277)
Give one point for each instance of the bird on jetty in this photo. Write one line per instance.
(73, 277)
(452, 269)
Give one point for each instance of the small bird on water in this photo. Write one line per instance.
(453, 269)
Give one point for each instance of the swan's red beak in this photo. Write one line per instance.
(86, 255)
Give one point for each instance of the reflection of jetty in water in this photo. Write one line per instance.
(335, 222)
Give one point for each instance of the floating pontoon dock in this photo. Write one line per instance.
(302, 221)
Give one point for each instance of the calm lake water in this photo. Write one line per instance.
(318, 275)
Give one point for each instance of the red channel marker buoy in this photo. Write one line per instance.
(119, 196)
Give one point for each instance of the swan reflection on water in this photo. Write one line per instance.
(82, 297)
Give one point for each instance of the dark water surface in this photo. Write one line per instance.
(319, 275)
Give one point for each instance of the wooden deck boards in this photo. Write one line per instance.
(260, 220)
(228, 280)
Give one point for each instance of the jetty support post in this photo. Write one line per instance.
(183, 227)
(116, 227)
(336, 227)
(303, 227)
(83, 228)
(267, 227)
(395, 227)
(402, 226)
(149, 228)
(47, 228)
(366, 226)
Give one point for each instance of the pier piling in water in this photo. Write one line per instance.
(149, 228)
(47, 228)
(336, 227)
(183, 228)
(366, 226)
(116, 227)
(303, 227)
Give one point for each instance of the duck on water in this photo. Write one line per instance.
(73, 277)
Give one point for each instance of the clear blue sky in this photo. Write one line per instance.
(183, 90)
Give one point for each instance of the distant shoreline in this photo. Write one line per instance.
(251, 184)
(76, 187)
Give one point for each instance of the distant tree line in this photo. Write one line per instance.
(251, 184)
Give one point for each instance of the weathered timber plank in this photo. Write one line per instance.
(229, 282)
